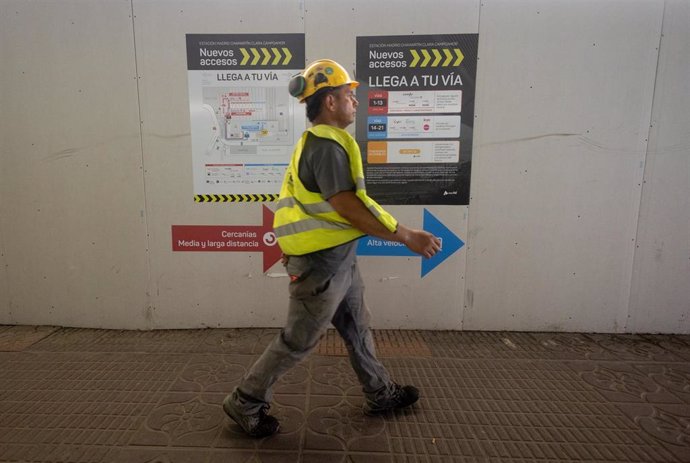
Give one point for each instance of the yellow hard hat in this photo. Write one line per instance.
(319, 74)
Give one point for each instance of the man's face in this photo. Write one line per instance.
(345, 106)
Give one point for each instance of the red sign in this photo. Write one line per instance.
(229, 238)
(378, 102)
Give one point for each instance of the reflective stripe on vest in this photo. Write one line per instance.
(304, 222)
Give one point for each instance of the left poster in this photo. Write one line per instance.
(244, 123)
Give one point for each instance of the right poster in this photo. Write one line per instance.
(415, 116)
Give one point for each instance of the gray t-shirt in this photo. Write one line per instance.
(324, 167)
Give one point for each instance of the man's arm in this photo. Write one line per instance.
(348, 205)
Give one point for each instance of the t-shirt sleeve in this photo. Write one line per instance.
(330, 167)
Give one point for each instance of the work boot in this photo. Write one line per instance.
(391, 398)
(259, 424)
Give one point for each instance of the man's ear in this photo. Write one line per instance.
(329, 101)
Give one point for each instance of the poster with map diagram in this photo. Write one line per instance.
(244, 124)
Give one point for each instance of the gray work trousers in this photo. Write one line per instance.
(326, 287)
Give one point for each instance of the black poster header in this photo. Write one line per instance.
(215, 52)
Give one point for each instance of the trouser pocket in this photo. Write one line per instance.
(306, 281)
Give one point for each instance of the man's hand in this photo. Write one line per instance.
(348, 205)
(419, 241)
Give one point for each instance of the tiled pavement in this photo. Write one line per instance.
(78, 395)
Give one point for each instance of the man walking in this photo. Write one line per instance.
(322, 210)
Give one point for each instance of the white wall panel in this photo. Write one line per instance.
(192, 289)
(71, 185)
(564, 96)
(661, 291)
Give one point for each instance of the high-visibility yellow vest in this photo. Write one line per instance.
(304, 221)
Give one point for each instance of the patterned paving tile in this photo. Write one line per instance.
(669, 425)
(39, 453)
(181, 420)
(389, 343)
(18, 338)
(110, 396)
(61, 403)
(234, 456)
(566, 346)
(673, 378)
(531, 410)
(510, 345)
(163, 455)
(159, 455)
(337, 424)
(678, 344)
(631, 347)
(211, 373)
(339, 457)
(70, 340)
(333, 376)
(238, 341)
(234, 341)
(643, 383)
(654, 396)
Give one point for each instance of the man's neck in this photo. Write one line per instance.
(315, 123)
(324, 120)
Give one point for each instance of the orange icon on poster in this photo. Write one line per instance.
(377, 152)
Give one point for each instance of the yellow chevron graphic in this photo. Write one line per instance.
(267, 56)
(245, 55)
(415, 58)
(288, 56)
(437, 55)
(257, 56)
(276, 52)
(427, 58)
(460, 57)
(449, 57)
(438, 58)
(235, 198)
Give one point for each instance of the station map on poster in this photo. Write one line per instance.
(244, 124)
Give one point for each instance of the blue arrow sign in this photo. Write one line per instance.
(450, 243)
